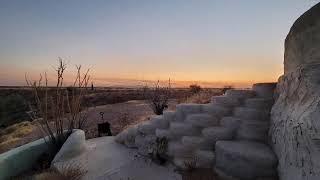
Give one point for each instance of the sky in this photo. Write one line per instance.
(213, 42)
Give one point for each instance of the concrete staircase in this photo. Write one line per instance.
(248, 155)
(229, 134)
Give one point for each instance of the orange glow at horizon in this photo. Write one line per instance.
(239, 78)
(213, 43)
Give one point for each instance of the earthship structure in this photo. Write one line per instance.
(271, 131)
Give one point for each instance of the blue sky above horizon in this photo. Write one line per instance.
(186, 40)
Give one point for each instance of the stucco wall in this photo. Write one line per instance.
(295, 116)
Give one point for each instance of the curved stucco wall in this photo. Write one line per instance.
(21, 159)
(295, 116)
(74, 146)
(303, 41)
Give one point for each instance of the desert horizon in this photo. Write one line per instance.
(136, 83)
(121, 45)
(214, 80)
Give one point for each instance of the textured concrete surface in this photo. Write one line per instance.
(303, 41)
(107, 160)
(265, 90)
(245, 159)
(193, 129)
(74, 146)
(295, 116)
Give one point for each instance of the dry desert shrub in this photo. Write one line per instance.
(48, 175)
(202, 97)
(194, 88)
(8, 144)
(158, 97)
(200, 174)
(191, 164)
(60, 110)
(68, 172)
(10, 136)
(159, 151)
(17, 130)
(72, 171)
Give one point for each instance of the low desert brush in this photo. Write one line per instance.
(200, 174)
(59, 110)
(10, 136)
(201, 97)
(194, 88)
(159, 150)
(191, 164)
(158, 97)
(67, 172)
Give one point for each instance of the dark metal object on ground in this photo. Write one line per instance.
(104, 128)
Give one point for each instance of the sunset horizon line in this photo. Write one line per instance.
(136, 82)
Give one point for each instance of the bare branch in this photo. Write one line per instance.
(56, 106)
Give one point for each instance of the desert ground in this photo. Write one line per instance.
(122, 107)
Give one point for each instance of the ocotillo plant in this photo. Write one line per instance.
(59, 110)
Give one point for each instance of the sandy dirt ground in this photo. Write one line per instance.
(119, 115)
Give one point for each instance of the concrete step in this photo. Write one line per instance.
(159, 122)
(224, 176)
(205, 159)
(147, 127)
(129, 141)
(241, 94)
(139, 140)
(160, 133)
(216, 110)
(230, 122)
(214, 134)
(200, 159)
(184, 109)
(251, 114)
(265, 90)
(145, 143)
(245, 159)
(259, 103)
(104, 159)
(195, 142)
(177, 149)
(253, 130)
(202, 120)
(127, 136)
(179, 129)
(169, 115)
(225, 101)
